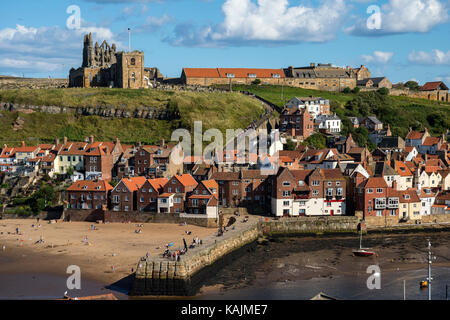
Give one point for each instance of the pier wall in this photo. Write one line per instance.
(394, 221)
(305, 225)
(138, 217)
(158, 276)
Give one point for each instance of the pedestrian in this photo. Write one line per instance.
(147, 255)
(112, 268)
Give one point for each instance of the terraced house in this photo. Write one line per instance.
(88, 195)
(124, 194)
(175, 193)
(308, 192)
(147, 195)
(204, 199)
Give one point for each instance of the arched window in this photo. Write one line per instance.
(133, 76)
(90, 78)
(133, 61)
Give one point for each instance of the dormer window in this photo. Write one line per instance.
(230, 75)
(98, 188)
(276, 75)
(84, 187)
(252, 75)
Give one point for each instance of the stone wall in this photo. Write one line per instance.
(103, 111)
(136, 216)
(302, 225)
(394, 221)
(162, 277)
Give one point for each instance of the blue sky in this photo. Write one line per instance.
(411, 42)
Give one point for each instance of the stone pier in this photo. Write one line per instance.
(161, 276)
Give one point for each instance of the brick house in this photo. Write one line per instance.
(204, 199)
(230, 191)
(124, 194)
(308, 192)
(297, 122)
(175, 193)
(98, 161)
(147, 195)
(88, 195)
(375, 198)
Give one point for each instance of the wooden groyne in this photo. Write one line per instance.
(160, 276)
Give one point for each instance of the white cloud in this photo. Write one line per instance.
(267, 22)
(435, 57)
(378, 57)
(404, 16)
(46, 49)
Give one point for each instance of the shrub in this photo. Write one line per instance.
(347, 90)
(356, 90)
(384, 91)
(256, 82)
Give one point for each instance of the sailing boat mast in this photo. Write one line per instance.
(429, 270)
(360, 237)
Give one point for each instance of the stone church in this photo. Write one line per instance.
(104, 67)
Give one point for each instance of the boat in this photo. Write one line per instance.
(423, 284)
(362, 252)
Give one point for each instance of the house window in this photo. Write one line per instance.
(235, 192)
(235, 183)
(285, 203)
(177, 200)
(126, 208)
(379, 190)
(379, 213)
(142, 199)
(316, 183)
(329, 192)
(339, 191)
(369, 190)
(315, 192)
(330, 183)
(286, 193)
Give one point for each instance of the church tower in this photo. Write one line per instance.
(88, 51)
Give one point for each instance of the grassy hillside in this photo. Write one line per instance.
(215, 110)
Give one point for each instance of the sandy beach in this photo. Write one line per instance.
(115, 244)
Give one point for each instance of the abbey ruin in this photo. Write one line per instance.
(103, 66)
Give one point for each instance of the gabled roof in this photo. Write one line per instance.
(186, 180)
(201, 72)
(225, 176)
(27, 149)
(434, 85)
(158, 183)
(90, 185)
(415, 135)
(134, 183)
(244, 72)
(373, 182)
(430, 141)
(402, 169)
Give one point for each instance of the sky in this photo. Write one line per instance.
(400, 39)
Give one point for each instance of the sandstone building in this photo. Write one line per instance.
(103, 66)
(214, 76)
(321, 77)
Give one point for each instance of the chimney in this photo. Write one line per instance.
(117, 141)
(65, 140)
(91, 139)
(56, 141)
(5, 146)
(23, 144)
(162, 142)
(394, 184)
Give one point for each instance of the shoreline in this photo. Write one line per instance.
(283, 260)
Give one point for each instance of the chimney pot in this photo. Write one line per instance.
(65, 140)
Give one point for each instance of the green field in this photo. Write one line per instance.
(215, 110)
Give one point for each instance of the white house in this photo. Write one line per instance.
(330, 123)
(316, 106)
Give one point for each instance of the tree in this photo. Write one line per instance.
(256, 82)
(384, 91)
(317, 141)
(70, 171)
(412, 85)
(347, 90)
(290, 145)
(356, 90)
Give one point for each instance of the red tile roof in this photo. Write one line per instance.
(187, 180)
(374, 182)
(158, 183)
(434, 85)
(90, 185)
(238, 72)
(201, 72)
(26, 149)
(244, 72)
(402, 169)
(414, 135)
(430, 141)
(134, 183)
